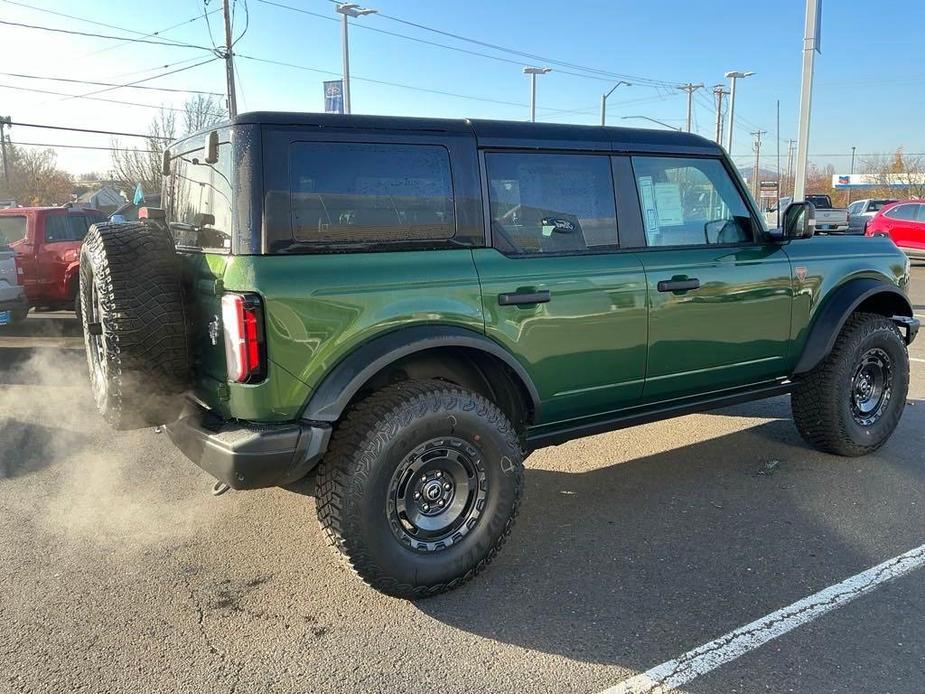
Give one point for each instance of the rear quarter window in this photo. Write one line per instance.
(347, 196)
(68, 227)
(12, 229)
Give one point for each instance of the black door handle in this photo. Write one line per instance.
(520, 298)
(679, 285)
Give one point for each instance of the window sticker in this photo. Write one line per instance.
(668, 204)
(648, 203)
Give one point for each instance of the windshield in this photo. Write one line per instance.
(199, 208)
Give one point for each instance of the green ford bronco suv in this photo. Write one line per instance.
(406, 307)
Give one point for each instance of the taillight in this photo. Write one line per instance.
(242, 325)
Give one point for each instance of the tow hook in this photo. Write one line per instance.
(219, 488)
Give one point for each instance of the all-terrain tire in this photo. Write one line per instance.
(134, 324)
(823, 401)
(356, 485)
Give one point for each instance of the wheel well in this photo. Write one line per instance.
(887, 304)
(467, 367)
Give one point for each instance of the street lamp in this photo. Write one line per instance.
(604, 99)
(533, 72)
(733, 75)
(347, 10)
(670, 127)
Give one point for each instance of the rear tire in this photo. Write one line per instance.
(851, 403)
(420, 487)
(134, 325)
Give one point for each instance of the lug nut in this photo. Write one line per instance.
(423, 478)
(417, 495)
(426, 507)
(441, 502)
(446, 485)
(439, 473)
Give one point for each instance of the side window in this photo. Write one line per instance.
(903, 212)
(12, 229)
(855, 207)
(66, 227)
(920, 214)
(551, 203)
(689, 202)
(342, 193)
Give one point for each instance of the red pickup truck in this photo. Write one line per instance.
(47, 245)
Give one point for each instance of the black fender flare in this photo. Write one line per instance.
(837, 309)
(329, 400)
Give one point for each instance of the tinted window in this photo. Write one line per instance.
(348, 194)
(68, 227)
(920, 214)
(199, 195)
(551, 203)
(875, 205)
(12, 229)
(690, 202)
(855, 207)
(905, 212)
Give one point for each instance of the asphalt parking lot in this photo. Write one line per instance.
(120, 572)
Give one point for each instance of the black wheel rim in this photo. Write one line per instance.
(437, 494)
(871, 387)
(96, 343)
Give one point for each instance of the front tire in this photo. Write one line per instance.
(851, 403)
(420, 487)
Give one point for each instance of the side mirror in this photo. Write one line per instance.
(799, 220)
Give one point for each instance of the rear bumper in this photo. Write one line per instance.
(18, 303)
(911, 326)
(245, 455)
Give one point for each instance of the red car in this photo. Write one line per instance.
(904, 222)
(47, 245)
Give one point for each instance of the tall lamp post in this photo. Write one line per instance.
(733, 75)
(604, 99)
(347, 10)
(852, 173)
(533, 72)
(670, 127)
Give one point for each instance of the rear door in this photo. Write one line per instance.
(719, 294)
(557, 290)
(62, 234)
(14, 232)
(902, 224)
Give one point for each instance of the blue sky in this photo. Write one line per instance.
(868, 77)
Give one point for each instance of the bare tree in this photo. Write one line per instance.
(900, 169)
(132, 166)
(35, 178)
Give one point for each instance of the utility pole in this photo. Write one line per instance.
(229, 60)
(690, 89)
(790, 144)
(853, 148)
(533, 72)
(5, 120)
(347, 10)
(810, 46)
(757, 135)
(733, 76)
(604, 100)
(719, 91)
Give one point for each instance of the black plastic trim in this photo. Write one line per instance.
(524, 298)
(832, 317)
(329, 400)
(657, 412)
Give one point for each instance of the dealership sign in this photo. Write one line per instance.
(906, 180)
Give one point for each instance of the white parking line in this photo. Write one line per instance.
(916, 359)
(703, 659)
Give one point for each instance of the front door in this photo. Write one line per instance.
(557, 290)
(720, 294)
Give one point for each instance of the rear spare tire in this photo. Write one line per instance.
(134, 325)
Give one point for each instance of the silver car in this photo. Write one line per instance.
(860, 212)
(13, 304)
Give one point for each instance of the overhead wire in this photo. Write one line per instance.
(127, 39)
(108, 84)
(96, 98)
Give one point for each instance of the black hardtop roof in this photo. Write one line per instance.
(495, 133)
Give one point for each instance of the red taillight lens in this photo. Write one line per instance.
(242, 325)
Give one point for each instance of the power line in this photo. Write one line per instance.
(86, 130)
(108, 84)
(96, 98)
(145, 79)
(127, 39)
(107, 149)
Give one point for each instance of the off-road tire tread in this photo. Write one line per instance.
(138, 278)
(354, 449)
(815, 407)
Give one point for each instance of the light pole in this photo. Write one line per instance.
(852, 173)
(533, 72)
(733, 75)
(810, 46)
(670, 127)
(604, 99)
(347, 10)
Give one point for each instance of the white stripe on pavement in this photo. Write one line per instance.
(916, 359)
(703, 659)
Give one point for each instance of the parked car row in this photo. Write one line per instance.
(904, 222)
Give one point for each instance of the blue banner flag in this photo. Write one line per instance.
(334, 96)
(139, 195)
